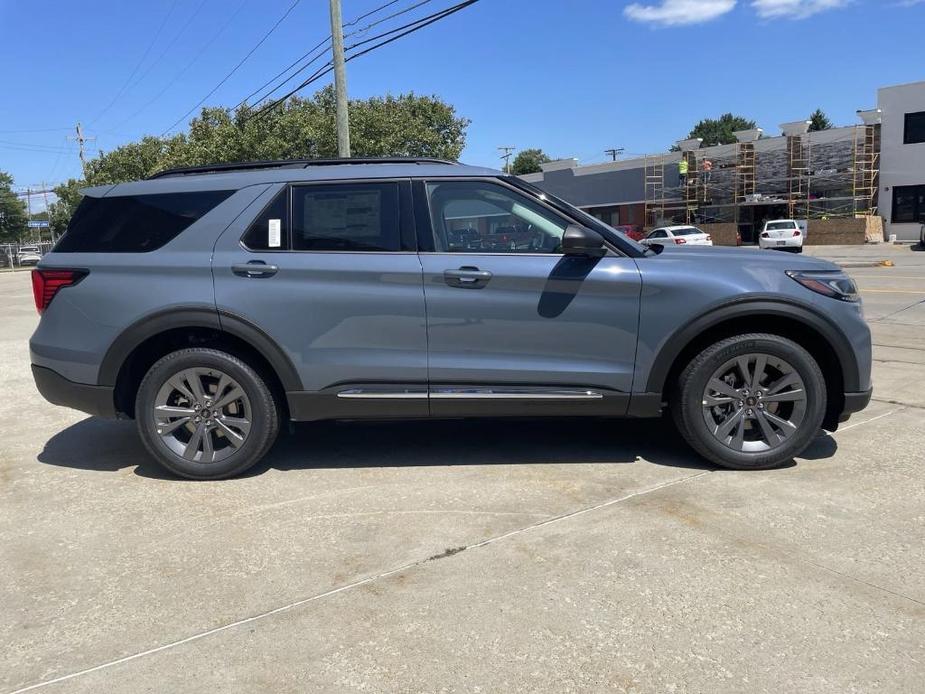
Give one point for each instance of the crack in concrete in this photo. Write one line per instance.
(356, 584)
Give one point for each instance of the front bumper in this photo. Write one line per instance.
(855, 402)
(56, 389)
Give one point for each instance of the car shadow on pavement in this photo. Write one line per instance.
(107, 445)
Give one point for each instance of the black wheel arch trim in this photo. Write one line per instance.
(751, 307)
(196, 316)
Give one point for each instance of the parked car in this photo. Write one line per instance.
(28, 255)
(631, 230)
(679, 236)
(211, 304)
(784, 234)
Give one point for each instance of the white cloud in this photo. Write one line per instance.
(794, 9)
(675, 12)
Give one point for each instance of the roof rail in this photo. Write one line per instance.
(293, 164)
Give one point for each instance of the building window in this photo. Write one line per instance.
(908, 204)
(915, 128)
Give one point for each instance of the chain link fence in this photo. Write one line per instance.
(16, 256)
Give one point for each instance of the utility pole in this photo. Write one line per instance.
(340, 80)
(80, 140)
(614, 153)
(506, 153)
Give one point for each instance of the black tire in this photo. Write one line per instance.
(263, 411)
(688, 404)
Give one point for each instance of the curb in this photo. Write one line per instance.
(873, 263)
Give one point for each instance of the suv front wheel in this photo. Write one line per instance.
(750, 401)
(205, 414)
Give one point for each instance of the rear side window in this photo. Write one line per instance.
(346, 217)
(134, 223)
(270, 230)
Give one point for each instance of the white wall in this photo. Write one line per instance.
(900, 165)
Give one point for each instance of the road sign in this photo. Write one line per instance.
(37, 223)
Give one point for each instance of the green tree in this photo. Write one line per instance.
(719, 131)
(819, 121)
(60, 211)
(528, 161)
(301, 128)
(12, 211)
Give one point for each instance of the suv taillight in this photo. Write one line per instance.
(47, 282)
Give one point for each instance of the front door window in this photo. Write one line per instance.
(481, 217)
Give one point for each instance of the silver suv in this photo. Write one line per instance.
(211, 304)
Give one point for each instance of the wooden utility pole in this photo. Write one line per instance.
(80, 139)
(506, 153)
(340, 80)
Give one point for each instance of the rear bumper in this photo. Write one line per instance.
(56, 389)
(787, 242)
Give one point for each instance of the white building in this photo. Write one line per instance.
(902, 159)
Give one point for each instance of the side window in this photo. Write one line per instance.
(482, 217)
(134, 223)
(346, 217)
(270, 230)
(914, 132)
(908, 204)
(659, 234)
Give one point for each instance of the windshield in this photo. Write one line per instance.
(586, 219)
(774, 226)
(687, 231)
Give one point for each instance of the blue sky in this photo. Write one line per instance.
(574, 77)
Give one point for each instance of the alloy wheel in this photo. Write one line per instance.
(202, 415)
(754, 403)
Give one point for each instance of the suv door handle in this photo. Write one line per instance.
(467, 277)
(254, 268)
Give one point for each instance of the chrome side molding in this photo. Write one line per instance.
(469, 393)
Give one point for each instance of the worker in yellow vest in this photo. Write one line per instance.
(682, 170)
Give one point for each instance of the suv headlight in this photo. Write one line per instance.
(832, 283)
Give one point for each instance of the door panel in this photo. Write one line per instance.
(527, 329)
(539, 320)
(341, 317)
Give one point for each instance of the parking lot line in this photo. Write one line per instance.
(872, 419)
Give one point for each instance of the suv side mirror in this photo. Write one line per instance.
(579, 240)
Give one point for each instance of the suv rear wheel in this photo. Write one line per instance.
(751, 401)
(205, 414)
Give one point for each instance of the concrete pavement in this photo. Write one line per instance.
(469, 556)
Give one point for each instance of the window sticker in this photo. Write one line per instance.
(273, 233)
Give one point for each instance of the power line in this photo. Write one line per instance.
(235, 68)
(34, 130)
(414, 26)
(321, 44)
(371, 12)
(279, 74)
(144, 57)
(170, 45)
(185, 68)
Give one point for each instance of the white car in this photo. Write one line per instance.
(782, 233)
(680, 236)
(28, 255)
